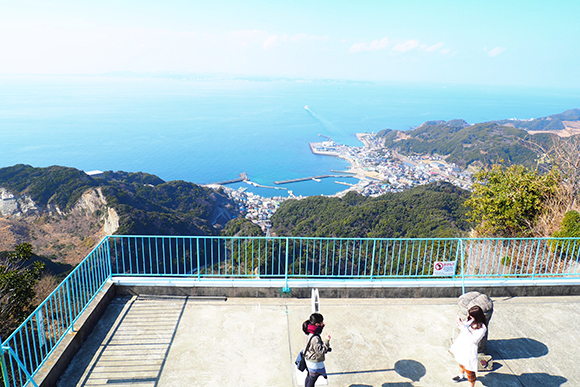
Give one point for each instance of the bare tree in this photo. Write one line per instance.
(564, 155)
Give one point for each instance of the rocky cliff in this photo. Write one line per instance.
(54, 233)
(63, 212)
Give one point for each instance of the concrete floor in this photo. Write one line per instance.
(179, 341)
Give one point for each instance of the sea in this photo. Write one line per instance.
(211, 130)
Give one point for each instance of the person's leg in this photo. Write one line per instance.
(461, 376)
(471, 377)
(311, 379)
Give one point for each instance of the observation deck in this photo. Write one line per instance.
(220, 311)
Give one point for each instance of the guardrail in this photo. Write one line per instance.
(342, 258)
(282, 258)
(28, 347)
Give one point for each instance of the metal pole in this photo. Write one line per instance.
(110, 274)
(198, 268)
(315, 301)
(462, 266)
(286, 288)
(3, 364)
(68, 303)
(373, 260)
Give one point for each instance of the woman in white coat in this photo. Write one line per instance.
(464, 347)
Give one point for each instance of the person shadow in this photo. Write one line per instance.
(409, 369)
(538, 379)
(513, 349)
(519, 348)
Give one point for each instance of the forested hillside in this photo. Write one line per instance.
(554, 122)
(482, 144)
(434, 210)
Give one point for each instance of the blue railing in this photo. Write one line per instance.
(28, 347)
(341, 258)
(283, 258)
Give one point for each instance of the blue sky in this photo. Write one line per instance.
(523, 43)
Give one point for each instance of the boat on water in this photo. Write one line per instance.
(306, 107)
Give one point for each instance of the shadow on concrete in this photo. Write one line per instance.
(396, 384)
(359, 372)
(410, 369)
(107, 325)
(527, 380)
(128, 337)
(520, 348)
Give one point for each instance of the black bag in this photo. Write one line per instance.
(301, 360)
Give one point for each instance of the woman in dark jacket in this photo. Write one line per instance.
(316, 349)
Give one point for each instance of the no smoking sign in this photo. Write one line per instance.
(444, 268)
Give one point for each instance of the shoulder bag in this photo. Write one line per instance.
(301, 360)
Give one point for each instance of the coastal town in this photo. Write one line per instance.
(378, 169)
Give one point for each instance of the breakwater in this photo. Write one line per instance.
(262, 186)
(308, 178)
(352, 173)
(243, 177)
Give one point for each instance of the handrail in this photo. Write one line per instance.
(342, 258)
(30, 345)
(251, 260)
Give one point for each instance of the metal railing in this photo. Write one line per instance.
(342, 258)
(28, 347)
(282, 258)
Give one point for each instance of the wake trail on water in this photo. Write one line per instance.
(325, 123)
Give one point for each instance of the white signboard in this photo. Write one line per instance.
(444, 268)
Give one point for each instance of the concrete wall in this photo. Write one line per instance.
(343, 292)
(59, 360)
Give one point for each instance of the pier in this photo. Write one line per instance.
(315, 178)
(352, 173)
(262, 186)
(243, 177)
(343, 183)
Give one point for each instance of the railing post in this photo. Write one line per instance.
(109, 258)
(3, 364)
(373, 260)
(286, 288)
(198, 268)
(462, 266)
(69, 306)
(536, 257)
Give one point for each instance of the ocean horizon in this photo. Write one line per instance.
(207, 131)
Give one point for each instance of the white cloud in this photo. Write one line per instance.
(245, 38)
(406, 46)
(357, 48)
(496, 51)
(274, 41)
(300, 37)
(375, 45)
(434, 47)
(445, 51)
(271, 42)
